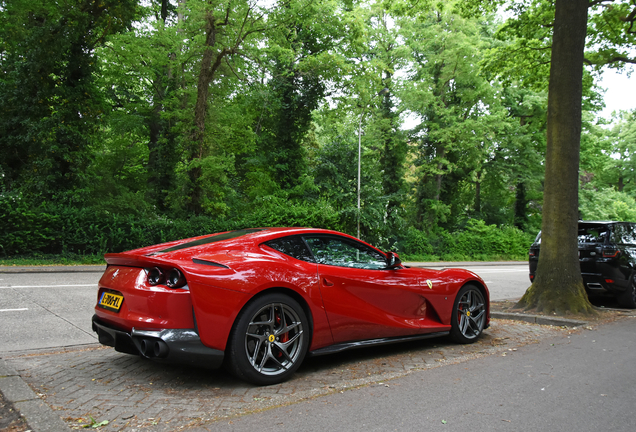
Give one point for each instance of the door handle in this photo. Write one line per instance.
(326, 282)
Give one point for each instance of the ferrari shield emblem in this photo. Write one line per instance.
(429, 283)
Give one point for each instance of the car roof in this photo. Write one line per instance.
(212, 241)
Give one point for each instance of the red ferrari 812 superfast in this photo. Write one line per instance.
(259, 300)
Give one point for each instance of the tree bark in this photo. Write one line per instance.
(521, 205)
(558, 285)
(478, 195)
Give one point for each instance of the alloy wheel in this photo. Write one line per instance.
(274, 339)
(471, 313)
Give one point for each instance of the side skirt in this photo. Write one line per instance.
(373, 342)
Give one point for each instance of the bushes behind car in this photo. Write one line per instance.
(477, 241)
(60, 230)
(84, 231)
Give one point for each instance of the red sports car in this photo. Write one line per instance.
(259, 300)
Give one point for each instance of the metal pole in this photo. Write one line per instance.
(359, 164)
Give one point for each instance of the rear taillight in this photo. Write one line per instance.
(155, 276)
(610, 252)
(609, 281)
(175, 279)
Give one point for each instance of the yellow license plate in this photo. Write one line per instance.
(111, 301)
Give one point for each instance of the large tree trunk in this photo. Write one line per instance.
(558, 285)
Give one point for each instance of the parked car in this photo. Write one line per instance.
(607, 253)
(259, 300)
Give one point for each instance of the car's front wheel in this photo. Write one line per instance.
(269, 340)
(627, 298)
(469, 315)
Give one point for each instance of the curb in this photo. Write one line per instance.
(38, 415)
(538, 319)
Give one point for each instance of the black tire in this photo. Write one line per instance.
(627, 298)
(469, 315)
(269, 340)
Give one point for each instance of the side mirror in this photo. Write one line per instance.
(392, 260)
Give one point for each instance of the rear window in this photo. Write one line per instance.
(624, 234)
(593, 233)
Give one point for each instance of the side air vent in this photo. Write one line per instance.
(209, 263)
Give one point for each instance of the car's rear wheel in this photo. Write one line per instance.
(627, 298)
(269, 340)
(469, 315)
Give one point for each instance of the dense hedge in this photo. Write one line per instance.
(62, 230)
(477, 241)
(65, 230)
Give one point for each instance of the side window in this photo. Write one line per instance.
(343, 252)
(294, 246)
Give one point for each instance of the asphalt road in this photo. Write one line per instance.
(580, 383)
(54, 309)
(505, 281)
(46, 310)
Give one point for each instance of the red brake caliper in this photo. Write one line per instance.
(283, 338)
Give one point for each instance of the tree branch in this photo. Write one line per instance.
(615, 59)
(598, 2)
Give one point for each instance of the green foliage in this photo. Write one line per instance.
(84, 235)
(23, 229)
(83, 231)
(124, 124)
(464, 127)
(607, 204)
(50, 103)
(477, 241)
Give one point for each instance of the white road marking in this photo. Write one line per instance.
(48, 286)
(499, 271)
(14, 310)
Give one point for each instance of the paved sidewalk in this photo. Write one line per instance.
(131, 393)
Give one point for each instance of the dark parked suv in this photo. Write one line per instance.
(607, 253)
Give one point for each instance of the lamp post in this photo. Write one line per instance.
(382, 92)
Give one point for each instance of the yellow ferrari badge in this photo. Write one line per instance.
(429, 283)
(467, 313)
(271, 338)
